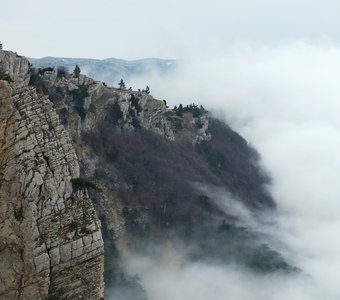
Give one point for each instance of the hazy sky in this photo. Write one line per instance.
(152, 28)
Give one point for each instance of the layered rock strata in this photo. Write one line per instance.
(50, 238)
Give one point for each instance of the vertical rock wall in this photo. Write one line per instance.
(50, 238)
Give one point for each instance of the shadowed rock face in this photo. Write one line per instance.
(51, 243)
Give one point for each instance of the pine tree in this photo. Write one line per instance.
(121, 84)
(76, 71)
(180, 110)
(0, 46)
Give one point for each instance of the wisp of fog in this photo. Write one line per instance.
(285, 100)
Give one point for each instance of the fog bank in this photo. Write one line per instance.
(285, 101)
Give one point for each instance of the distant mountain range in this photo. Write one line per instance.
(110, 70)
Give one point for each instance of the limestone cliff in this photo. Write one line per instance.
(16, 66)
(51, 243)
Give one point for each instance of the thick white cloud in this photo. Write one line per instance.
(286, 101)
(201, 282)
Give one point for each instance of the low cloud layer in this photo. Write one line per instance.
(202, 281)
(285, 101)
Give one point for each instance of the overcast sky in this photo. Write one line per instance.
(152, 28)
(272, 67)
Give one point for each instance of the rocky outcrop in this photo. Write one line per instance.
(84, 103)
(16, 66)
(50, 236)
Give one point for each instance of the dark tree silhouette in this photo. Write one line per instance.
(76, 71)
(121, 84)
(147, 90)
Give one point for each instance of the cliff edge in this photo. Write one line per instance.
(51, 243)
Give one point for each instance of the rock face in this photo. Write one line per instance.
(16, 66)
(50, 237)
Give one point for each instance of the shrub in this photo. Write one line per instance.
(62, 72)
(18, 213)
(82, 182)
(264, 259)
(135, 103)
(56, 94)
(121, 84)
(177, 123)
(79, 96)
(196, 110)
(204, 202)
(76, 71)
(73, 226)
(214, 157)
(147, 90)
(113, 113)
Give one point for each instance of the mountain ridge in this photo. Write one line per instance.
(110, 70)
(138, 160)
